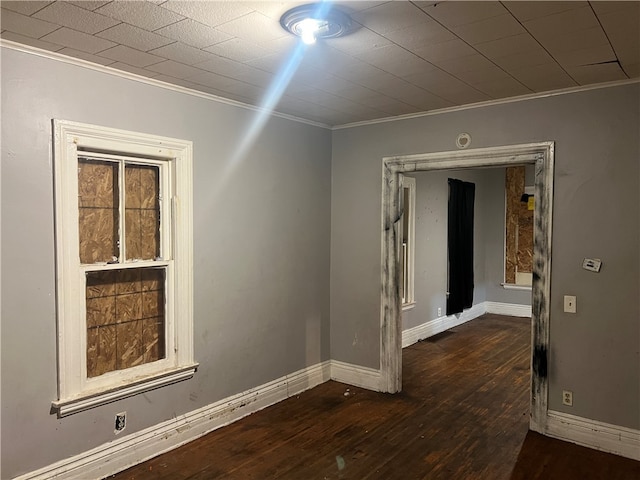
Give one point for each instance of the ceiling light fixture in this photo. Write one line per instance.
(317, 20)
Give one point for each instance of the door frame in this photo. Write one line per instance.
(542, 156)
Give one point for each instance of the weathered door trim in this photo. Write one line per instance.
(540, 154)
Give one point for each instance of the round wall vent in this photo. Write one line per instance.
(463, 140)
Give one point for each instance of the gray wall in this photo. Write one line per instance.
(596, 213)
(261, 251)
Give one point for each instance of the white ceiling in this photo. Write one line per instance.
(405, 57)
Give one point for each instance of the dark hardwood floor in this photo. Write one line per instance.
(463, 414)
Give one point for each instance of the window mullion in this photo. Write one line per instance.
(122, 244)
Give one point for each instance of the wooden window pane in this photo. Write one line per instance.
(125, 318)
(98, 202)
(142, 212)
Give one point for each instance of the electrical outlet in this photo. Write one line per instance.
(121, 422)
(570, 304)
(439, 311)
(567, 398)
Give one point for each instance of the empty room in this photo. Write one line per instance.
(341, 240)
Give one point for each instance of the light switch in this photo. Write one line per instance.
(570, 303)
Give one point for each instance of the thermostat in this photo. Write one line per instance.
(592, 264)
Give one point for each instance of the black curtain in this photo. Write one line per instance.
(460, 243)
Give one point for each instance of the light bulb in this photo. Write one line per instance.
(308, 28)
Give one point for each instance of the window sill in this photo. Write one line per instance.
(511, 286)
(408, 306)
(85, 402)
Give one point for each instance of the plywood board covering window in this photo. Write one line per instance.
(518, 229)
(125, 318)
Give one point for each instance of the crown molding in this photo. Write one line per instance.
(489, 103)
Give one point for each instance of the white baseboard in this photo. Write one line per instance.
(137, 447)
(593, 434)
(363, 377)
(511, 309)
(439, 325)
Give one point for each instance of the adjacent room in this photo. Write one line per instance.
(230, 234)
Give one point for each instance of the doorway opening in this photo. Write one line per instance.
(539, 154)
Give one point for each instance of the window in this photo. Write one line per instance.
(124, 264)
(407, 253)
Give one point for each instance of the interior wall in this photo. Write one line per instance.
(596, 213)
(261, 250)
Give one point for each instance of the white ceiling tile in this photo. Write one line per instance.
(632, 69)
(453, 14)
(86, 56)
(609, 6)
(34, 42)
(90, 4)
(586, 56)
(213, 80)
(416, 36)
(182, 53)
(282, 44)
(134, 37)
(269, 63)
(68, 15)
(465, 64)
(433, 80)
(588, 74)
(254, 27)
(131, 56)
(25, 8)
(394, 108)
(391, 16)
(141, 14)
(211, 13)
(395, 60)
(243, 72)
(482, 75)
(237, 49)
(460, 93)
(628, 56)
(380, 81)
(271, 9)
(490, 29)
(193, 33)
(523, 60)
(131, 69)
(445, 50)
(502, 87)
(581, 39)
(174, 69)
(78, 40)
(24, 25)
(245, 89)
(518, 44)
(541, 78)
(358, 41)
(524, 11)
(622, 28)
(562, 23)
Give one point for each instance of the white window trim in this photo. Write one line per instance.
(409, 300)
(75, 392)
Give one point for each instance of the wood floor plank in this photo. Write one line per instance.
(463, 414)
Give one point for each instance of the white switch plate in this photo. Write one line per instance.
(570, 304)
